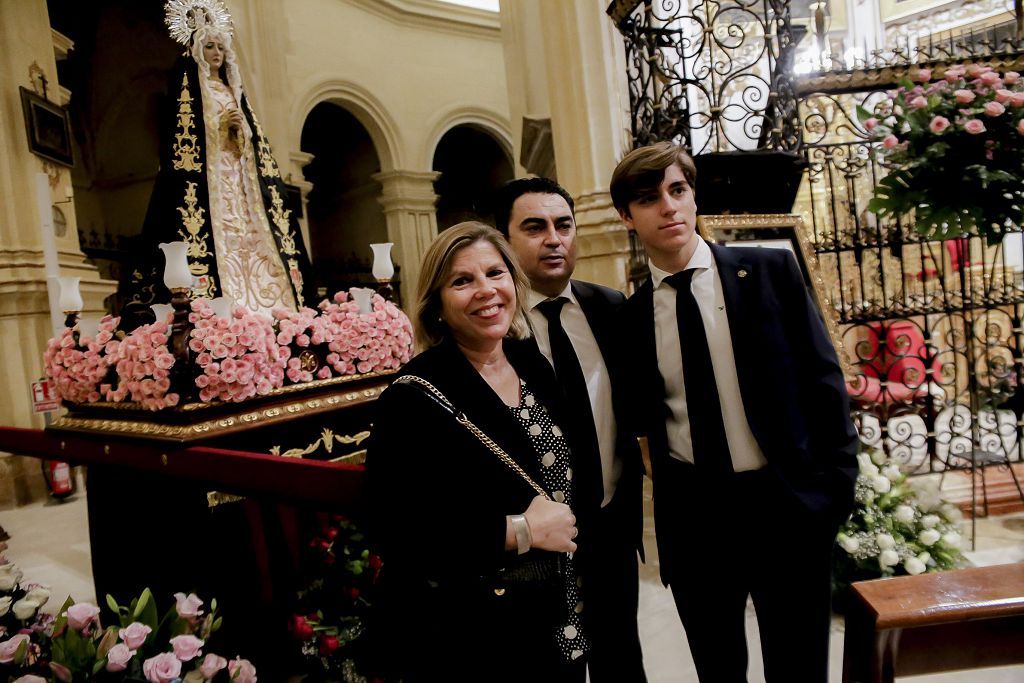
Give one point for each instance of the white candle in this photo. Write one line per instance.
(161, 311)
(88, 327)
(363, 297)
(383, 269)
(70, 298)
(222, 306)
(176, 272)
(51, 266)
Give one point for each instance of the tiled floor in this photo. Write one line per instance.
(49, 542)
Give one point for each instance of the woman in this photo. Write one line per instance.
(472, 591)
(219, 187)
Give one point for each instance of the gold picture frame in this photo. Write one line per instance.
(774, 231)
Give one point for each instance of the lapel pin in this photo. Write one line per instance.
(741, 273)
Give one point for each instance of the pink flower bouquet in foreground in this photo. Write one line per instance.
(75, 646)
(79, 364)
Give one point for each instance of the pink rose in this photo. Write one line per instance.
(1003, 95)
(1020, 126)
(242, 671)
(890, 141)
(134, 635)
(974, 127)
(118, 656)
(991, 78)
(964, 96)
(938, 124)
(211, 665)
(923, 75)
(29, 678)
(1017, 100)
(81, 614)
(188, 606)
(919, 102)
(1011, 77)
(186, 647)
(870, 124)
(163, 668)
(9, 648)
(994, 109)
(975, 70)
(61, 672)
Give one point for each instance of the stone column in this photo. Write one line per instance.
(585, 78)
(409, 205)
(294, 176)
(27, 49)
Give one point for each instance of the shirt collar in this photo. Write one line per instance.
(701, 258)
(535, 298)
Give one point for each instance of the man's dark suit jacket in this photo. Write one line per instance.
(791, 383)
(602, 307)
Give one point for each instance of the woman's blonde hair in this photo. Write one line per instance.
(430, 329)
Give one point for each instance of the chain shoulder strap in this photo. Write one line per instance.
(461, 418)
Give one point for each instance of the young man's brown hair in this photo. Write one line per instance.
(643, 169)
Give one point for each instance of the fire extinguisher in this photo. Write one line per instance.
(58, 478)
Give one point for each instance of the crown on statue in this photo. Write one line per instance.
(184, 17)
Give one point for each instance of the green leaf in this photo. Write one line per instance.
(19, 654)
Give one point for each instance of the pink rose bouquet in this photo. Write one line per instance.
(377, 341)
(143, 364)
(238, 357)
(954, 149)
(80, 364)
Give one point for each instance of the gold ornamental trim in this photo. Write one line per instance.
(282, 221)
(886, 77)
(297, 284)
(327, 440)
(186, 145)
(268, 167)
(244, 419)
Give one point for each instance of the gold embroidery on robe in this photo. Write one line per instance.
(268, 167)
(282, 221)
(186, 147)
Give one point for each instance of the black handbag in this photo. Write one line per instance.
(533, 568)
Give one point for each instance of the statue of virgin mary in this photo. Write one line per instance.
(219, 188)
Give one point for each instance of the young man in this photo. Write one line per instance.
(574, 326)
(754, 455)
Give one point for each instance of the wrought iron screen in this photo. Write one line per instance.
(707, 72)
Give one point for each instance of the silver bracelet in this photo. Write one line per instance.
(524, 539)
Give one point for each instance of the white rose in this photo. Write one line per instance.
(9, 577)
(952, 512)
(913, 566)
(925, 557)
(39, 595)
(878, 457)
(952, 539)
(892, 472)
(888, 558)
(850, 545)
(905, 513)
(866, 466)
(885, 541)
(880, 483)
(5, 605)
(929, 537)
(25, 609)
(929, 521)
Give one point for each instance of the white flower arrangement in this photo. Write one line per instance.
(896, 527)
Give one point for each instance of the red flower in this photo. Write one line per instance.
(328, 644)
(301, 628)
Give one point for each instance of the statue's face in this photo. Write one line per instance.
(213, 53)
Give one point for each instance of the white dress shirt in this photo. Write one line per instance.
(707, 290)
(599, 384)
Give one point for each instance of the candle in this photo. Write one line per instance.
(222, 306)
(383, 269)
(70, 298)
(161, 311)
(363, 297)
(88, 327)
(176, 272)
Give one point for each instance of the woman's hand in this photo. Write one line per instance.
(234, 118)
(552, 525)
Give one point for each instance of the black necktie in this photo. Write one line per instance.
(580, 414)
(707, 430)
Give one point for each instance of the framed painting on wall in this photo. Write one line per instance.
(48, 128)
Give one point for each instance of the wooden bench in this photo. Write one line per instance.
(910, 625)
